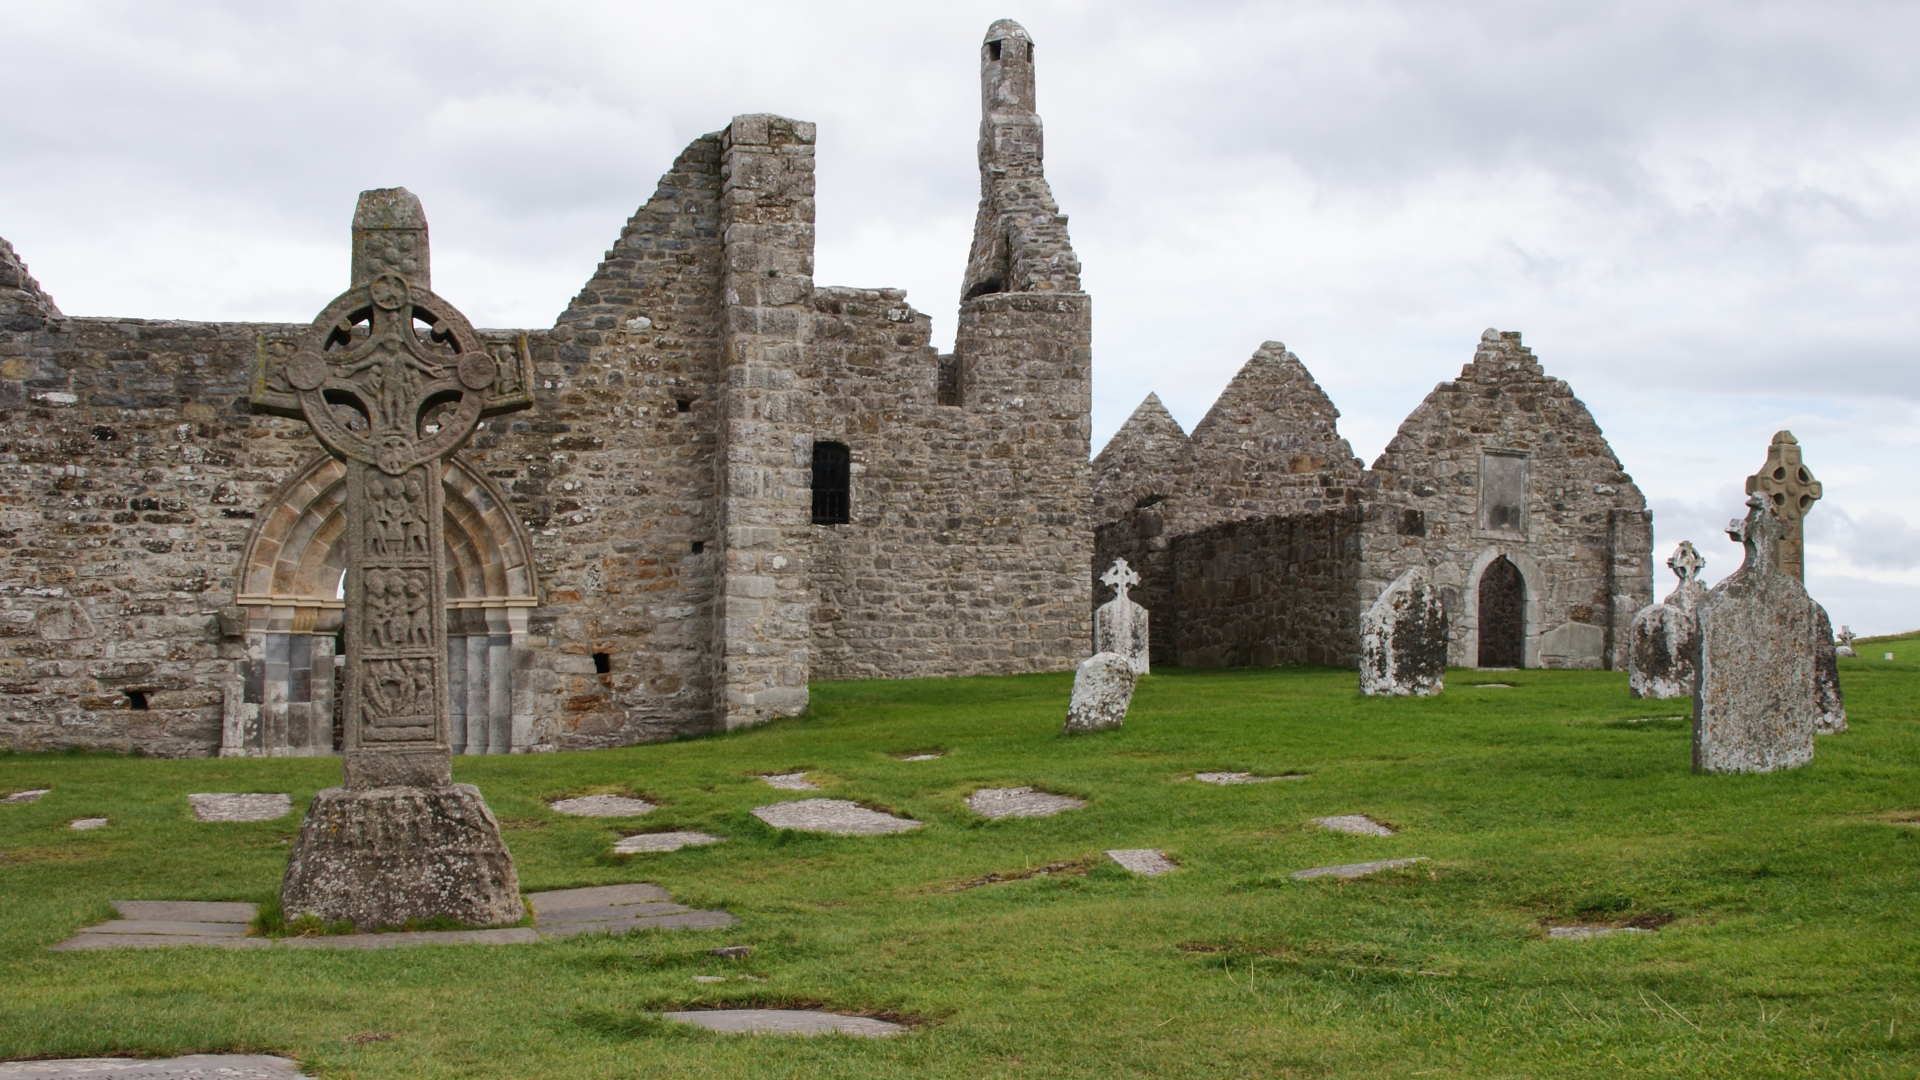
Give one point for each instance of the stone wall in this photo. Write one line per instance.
(1266, 591)
(632, 558)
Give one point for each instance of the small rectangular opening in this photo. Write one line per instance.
(602, 663)
(993, 50)
(683, 405)
(136, 699)
(699, 546)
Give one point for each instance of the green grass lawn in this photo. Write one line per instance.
(1793, 947)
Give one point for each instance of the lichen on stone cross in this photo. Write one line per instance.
(393, 401)
(1791, 489)
(1120, 577)
(1686, 563)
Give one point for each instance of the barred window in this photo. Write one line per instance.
(832, 484)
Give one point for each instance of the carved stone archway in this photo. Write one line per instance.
(288, 584)
(1468, 640)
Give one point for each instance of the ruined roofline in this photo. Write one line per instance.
(1500, 356)
(1147, 416)
(20, 295)
(1274, 357)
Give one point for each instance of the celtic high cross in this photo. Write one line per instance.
(1792, 490)
(392, 379)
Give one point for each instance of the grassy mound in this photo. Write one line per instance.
(1786, 940)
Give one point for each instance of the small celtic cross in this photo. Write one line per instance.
(1791, 489)
(1120, 577)
(1686, 563)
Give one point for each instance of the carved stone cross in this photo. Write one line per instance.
(1785, 481)
(1686, 563)
(1120, 577)
(392, 379)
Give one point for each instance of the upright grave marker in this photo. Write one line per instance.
(1792, 491)
(393, 379)
(1663, 644)
(1120, 626)
(1755, 708)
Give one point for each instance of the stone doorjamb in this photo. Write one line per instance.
(1468, 640)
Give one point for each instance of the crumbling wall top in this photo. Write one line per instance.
(20, 296)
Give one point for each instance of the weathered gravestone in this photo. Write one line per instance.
(1102, 690)
(1789, 486)
(1120, 625)
(1403, 639)
(1755, 707)
(400, 841)
(1830, 709)
(1663, 644)
(1845, 647)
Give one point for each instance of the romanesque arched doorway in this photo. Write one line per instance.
(1502, 615)
(288, 588)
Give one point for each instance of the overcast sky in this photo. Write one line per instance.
(1702, 215)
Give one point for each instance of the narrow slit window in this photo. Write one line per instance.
(602, 663)
(137, 699)
(832, 484)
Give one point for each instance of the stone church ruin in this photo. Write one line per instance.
(728, 480)
(1260, 539)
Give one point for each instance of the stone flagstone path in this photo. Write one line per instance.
(152, 924)
(663, 841)
(26, 796)
(1354, 824)
(193, 1067)
(1226, 778)
(785, 1022)
(233, 807)
(1354, 870)
(603, 806)
(1147, 862)
(1019, 802)
(790, 782)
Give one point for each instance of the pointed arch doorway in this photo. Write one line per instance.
(279, 702)
(1502, 615)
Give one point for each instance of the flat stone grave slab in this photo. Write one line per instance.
(88, 823)
(193, 1067)
(1353, 870)
(1019, 802)
(1353, 824)
(1492, 685)
(26, 796)
(662, 841)
(225, 806)
(152, 924)
(785, 1022)
(604, 806)
(929, 756)
(1582, 933)
(837, 816)
(617, 909)
(790, 782)
(1226, 778)
(1147, 862)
